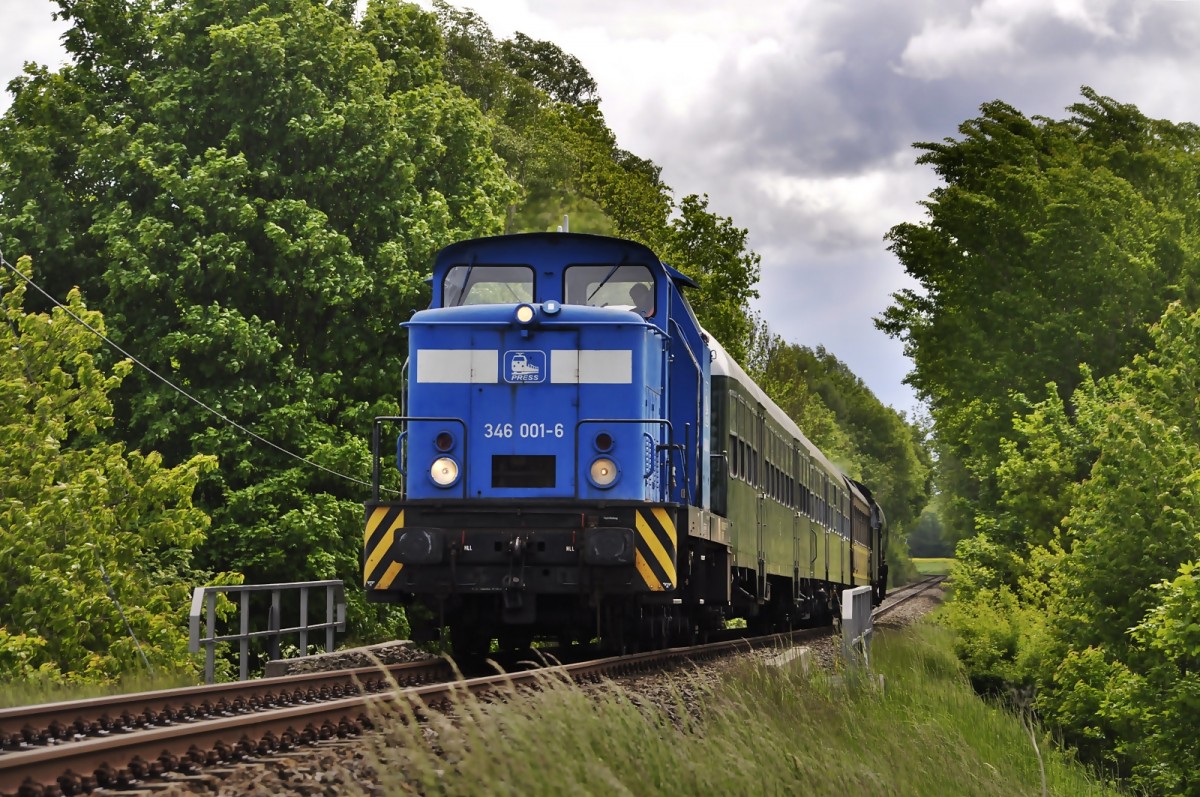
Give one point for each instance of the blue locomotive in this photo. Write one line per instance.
(580, 460)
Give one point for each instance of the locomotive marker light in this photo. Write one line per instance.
(524, 316)
(444, 441)
(444, 472)
(603, 472)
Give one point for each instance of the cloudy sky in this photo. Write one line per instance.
(797, 117)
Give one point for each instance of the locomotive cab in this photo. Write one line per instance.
(541, 472)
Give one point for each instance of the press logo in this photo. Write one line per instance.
(524, 366)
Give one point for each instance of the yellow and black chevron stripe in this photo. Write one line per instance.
(655, 549)
(379, 569)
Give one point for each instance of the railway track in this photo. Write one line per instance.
(123, 741)
(902, 595)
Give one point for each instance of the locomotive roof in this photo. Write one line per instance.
(724, 365)
(565, 246)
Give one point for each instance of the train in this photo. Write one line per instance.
(577, 459)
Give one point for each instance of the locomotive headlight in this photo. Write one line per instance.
(524, 313)
(603, 472)
(444, 472)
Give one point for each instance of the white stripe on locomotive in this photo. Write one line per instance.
(567, 366)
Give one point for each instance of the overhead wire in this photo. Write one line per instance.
(172, 385)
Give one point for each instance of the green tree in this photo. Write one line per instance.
(1050, 244)
(550, 131)
(544, 64)
(1093, 592)
(547, 126)
(92, 534)
(712, 250)
(927, 538)
(252, 191)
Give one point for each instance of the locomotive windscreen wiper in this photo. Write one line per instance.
(607, 277)
(466, 283)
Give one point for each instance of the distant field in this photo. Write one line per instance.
(933, 567)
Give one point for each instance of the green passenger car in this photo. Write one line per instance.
(800, 529)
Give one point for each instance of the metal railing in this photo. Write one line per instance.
(204, 599)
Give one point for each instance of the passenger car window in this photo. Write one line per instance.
(487, 284)
(610, 285)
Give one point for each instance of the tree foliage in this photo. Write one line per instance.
(545, 114)
(88, 528)
(1055, 338)
(1091, 562)
(927, 538)
(1050, 244)
(232, 181)
(544, 64)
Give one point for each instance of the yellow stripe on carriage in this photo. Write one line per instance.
(860, 562)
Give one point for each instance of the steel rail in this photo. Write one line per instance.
(74, 720)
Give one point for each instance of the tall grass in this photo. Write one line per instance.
(760, 731)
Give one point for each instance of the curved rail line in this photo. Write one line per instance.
(118, 742)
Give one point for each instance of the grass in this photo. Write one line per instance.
(933, 567)
(761, 731)
(31, 693)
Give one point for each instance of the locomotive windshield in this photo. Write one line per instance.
(610, 285)
(487, 284)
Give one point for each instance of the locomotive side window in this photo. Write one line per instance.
(610, 285)
(487, 284)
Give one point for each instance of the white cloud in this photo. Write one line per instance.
(845, 211)
(995, 32)
(28, 34)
